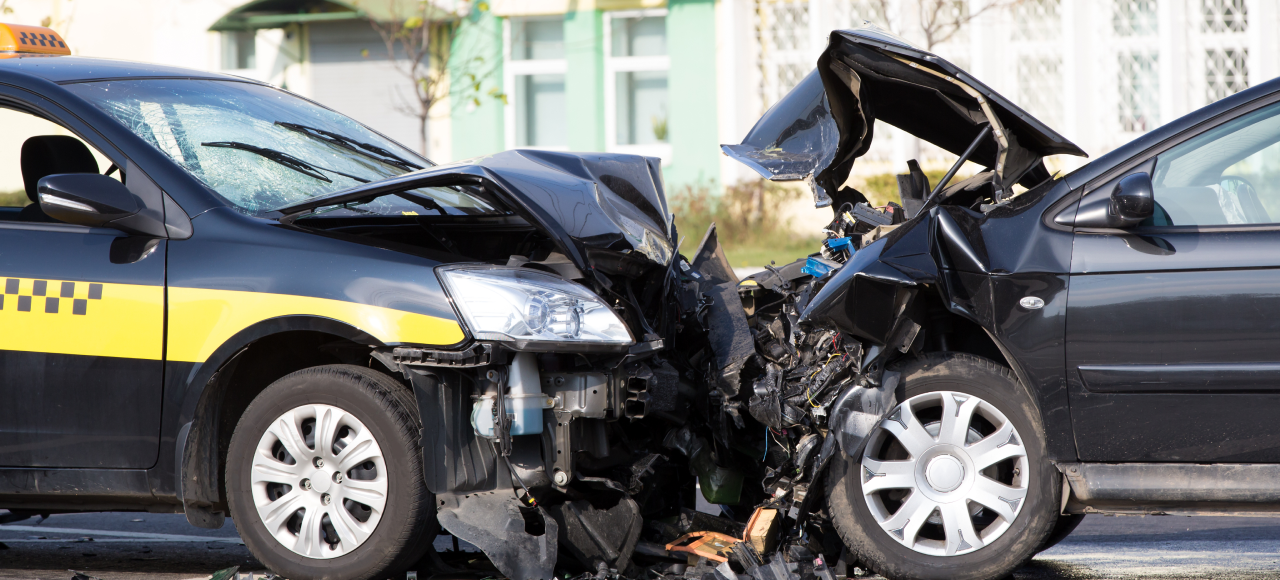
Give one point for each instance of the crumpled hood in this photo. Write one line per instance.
(605, 211)
(606, 203)
(817, 130)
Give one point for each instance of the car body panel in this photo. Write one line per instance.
(817, 130)
(82, 348)
(604, 209)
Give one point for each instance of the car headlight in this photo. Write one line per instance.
(523, 306)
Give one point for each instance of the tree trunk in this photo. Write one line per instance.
(425, 147)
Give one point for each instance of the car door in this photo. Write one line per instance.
(1173, 326)
(81, 314)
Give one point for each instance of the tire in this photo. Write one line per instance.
(1006, 537)
(1066, 524)
(375, 431)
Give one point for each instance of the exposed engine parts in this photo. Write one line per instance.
(596, 464)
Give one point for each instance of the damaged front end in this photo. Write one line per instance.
(610, 384)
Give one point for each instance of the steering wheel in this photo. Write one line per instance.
(1237, 185)
(1247, 196)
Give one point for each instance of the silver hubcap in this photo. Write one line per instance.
(945, 474)
(319, 481)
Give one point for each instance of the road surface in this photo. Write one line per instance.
(125, 546)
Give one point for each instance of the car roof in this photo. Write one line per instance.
(74, 69)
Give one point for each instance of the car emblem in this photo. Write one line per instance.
(1031, 303)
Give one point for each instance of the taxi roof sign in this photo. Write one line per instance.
(31, 39)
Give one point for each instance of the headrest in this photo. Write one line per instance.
(45, 155)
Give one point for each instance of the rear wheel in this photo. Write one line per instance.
(324, 476)
(953, 484)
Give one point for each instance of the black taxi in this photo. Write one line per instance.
(213, 292)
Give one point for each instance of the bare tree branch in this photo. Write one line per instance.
(418, 39)
(941, 20)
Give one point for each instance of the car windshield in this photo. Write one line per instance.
(262, 149)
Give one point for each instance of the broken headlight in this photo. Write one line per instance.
(523, 306)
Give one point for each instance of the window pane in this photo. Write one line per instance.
(1227, 175)
(642, 107)
(640, 36)
(537, 39)
(540, 111)
(1139, 85)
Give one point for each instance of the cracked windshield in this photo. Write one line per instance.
(263, 149)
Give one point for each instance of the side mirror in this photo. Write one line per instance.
(89, 199)
(1132, 201)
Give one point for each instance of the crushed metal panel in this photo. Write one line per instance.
(710, 260)
(493, 522)
(599, 536)
(729, 335)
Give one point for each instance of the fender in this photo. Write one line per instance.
(194, 470)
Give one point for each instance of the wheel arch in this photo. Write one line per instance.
(946, 330)
(216, 392)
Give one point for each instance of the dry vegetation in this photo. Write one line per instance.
(750, 217)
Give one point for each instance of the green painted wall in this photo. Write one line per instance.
(692, 98)
(477, 50)
(584, 79)
(691, 86)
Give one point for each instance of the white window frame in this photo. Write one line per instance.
(616, 64)
(514, 68)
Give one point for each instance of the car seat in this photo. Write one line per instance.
(45, 155)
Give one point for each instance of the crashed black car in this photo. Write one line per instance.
(265, 310)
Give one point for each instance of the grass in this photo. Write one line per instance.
(750, 233)
(747, 221)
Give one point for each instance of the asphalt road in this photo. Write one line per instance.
(120, 546)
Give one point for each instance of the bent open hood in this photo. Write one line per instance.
(604, 210)
(817, 130)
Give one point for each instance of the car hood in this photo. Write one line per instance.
(816, 131)
(605, 211)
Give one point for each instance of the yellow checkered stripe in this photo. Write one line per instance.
(82, 318)
(127, 320)
(49, 297)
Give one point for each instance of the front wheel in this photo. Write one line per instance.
(953, 484)
(324, 476)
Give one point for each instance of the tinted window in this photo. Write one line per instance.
(1227, 175)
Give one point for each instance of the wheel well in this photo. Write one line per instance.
(944, 331)
(234, 386)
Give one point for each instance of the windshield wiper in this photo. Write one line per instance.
(359, 147)
(280, 157)
(286, 160)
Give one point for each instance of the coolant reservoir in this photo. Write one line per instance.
(524, 401)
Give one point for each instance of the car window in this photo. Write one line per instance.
(1227, 175)
(261, 148)
(59, 155)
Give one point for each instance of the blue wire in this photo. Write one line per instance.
(766, 444)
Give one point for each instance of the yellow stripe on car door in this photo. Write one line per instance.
(201, 320)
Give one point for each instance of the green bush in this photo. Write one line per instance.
(16, 198)
(748, 222)
(883, 188)
(748, 216)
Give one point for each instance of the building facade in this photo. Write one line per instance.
(627, 76)
(1101, 72)
(676, 78)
